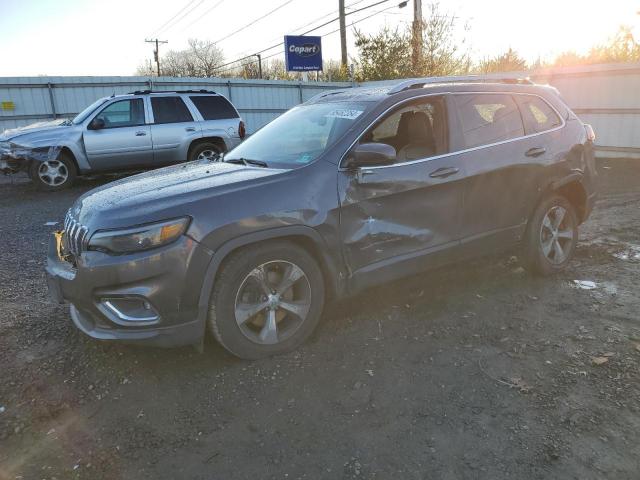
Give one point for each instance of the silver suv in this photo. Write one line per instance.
(140, 130)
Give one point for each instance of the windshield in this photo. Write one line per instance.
(300, 135)
(87, 111)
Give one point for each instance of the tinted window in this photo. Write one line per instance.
(416, 130)
(124, 113)
(538, 114)
(488, 118)
(170, 110)
(214, 108)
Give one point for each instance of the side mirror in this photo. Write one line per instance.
(96, 124)
(370, 155)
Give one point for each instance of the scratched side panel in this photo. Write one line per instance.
(389, 212)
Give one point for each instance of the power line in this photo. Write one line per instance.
(157, 30)
(180, 15)
(246, 53)
(203, 15)
(278, 53)
(304, 33)
(254, 21)
(184, 15)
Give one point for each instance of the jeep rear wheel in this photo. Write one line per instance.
(53, 174)
(267, 300)
(552, 235)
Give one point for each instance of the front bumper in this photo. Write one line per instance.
(168, 278)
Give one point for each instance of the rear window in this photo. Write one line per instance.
(538, 114)
(488, 118)
(170, 110)
(214, 107)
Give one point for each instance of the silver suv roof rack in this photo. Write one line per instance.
(489, 78)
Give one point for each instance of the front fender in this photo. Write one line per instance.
(42, 149)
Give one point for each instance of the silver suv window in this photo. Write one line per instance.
(488, 118)
(123, 113)
(170, 110)
(213, 107)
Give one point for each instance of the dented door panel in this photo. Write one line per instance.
(391, 211)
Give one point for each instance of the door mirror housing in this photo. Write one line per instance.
(96, 124)
(370, 155)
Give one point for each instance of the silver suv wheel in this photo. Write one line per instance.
(53, 173)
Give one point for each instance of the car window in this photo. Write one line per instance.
(488, 118)
(538, 114)
(123, 113)
(170, 110)
(214, 107)
(416, 130)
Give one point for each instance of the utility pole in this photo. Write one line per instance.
(416, 53)
(156, 52)
(343, 33)
(259, 65)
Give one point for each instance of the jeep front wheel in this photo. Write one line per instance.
(267, 300)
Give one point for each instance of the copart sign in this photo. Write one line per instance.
(303, 53)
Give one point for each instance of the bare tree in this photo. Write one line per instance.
(199, 59)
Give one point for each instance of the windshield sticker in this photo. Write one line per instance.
(344, 113)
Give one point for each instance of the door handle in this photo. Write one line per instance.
(190, 129)
(535, 152)
(444, 172)
(140, 133)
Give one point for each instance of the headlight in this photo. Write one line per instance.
(136, 239)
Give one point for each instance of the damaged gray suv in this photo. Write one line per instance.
(348, 190)
(137, 131)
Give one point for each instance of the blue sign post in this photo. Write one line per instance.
(303, 53)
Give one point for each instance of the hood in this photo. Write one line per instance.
(164, 193)
(37, 131)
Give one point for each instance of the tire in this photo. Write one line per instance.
(238, 291)
(53, 175)
(205, 151)
(546, 253)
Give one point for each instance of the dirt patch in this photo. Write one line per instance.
(473, 371)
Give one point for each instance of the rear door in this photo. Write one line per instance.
(490, 136)
(125, 140)
(410, 208)
(173, 129)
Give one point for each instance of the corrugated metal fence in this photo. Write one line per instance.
(25, 100)
(607, 96)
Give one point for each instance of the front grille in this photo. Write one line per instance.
(75, 235)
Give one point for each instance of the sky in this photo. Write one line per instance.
(98, 37)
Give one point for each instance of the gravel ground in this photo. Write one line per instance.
(473, 371)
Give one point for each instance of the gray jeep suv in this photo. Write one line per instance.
(349, 190)
(141, 130)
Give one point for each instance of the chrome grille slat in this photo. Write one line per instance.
(75, 234)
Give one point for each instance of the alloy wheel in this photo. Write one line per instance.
(207, 155)
(273, 301)
(556, 235)
(53, 172)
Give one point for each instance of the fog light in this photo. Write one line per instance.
(129, 310)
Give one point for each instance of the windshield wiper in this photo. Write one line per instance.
(247, 161)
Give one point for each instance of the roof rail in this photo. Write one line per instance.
(490, 78)
(146, 92)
